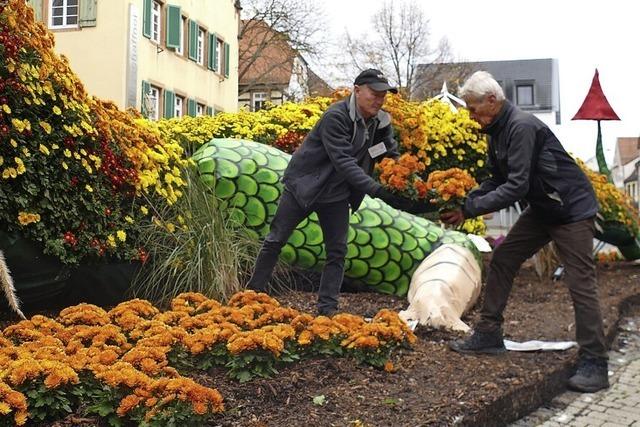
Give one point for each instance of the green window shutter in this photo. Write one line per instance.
(193, 40)
(146, 19)
(211, 50)
(215, 53)
(146, 88)
(88, 13)
(226, 59)
(169, 104)
(209, 111)
(37, 8)
(191, 107)
(174, 21)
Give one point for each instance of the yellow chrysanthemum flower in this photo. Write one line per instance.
(26, 218)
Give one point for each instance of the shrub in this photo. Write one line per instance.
(73, 167)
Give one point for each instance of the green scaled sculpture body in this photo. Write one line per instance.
(385, 245)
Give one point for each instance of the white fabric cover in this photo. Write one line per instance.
(444, 286)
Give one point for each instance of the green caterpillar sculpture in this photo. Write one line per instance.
(385, 245)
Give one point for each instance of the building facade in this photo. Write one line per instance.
(531, 84)
(271, 71)
(165, 58)
(632, 185)
(624, 170)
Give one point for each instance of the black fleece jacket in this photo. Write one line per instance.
(334, 146)
(527, 161)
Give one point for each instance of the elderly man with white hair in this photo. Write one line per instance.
(527, 162)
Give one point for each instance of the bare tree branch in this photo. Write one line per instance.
(273, 33)
(401, 41)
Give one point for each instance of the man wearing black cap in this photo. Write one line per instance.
(330, 173)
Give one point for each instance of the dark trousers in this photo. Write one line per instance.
(334, 222)
(574, 243)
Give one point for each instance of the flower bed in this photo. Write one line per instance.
(77, 173)
(128, 363)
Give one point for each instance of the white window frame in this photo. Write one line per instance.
(260, 97)
(220, 50)
(66, 16)
(154, 97)
(178, 104)
(156, 22)
(183, 23)
(200, 109)
(200, 48)
(528, 86)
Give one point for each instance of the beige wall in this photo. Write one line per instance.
(182, 75)
(99, 55)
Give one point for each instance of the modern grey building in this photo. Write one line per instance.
(531, 84)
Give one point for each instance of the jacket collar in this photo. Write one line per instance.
(353, 108)
(383, 117)
(498, 123)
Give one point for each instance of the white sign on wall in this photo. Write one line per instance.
(132, 58)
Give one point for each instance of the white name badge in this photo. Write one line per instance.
(377, 150)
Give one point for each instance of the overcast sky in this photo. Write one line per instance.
(582, 35)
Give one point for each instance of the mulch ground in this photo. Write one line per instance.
(432, 385)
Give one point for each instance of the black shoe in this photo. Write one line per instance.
(480, 343)
(257, 289)
(591, 375)
(326, 311)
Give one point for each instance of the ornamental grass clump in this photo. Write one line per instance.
(194, 246)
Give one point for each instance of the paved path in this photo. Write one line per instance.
(617, 406)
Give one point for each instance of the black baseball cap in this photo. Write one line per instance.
(375, 80)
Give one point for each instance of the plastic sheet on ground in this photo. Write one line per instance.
(536, 345)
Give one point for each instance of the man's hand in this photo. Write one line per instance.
(422, 206)
(394, 200)
(454, 217)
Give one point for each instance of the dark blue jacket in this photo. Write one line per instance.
(331, 148)
(527, 161)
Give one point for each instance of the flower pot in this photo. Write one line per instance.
(631, 251)
(39, 279)
(104, 285)
(615, 233)
(43, 282)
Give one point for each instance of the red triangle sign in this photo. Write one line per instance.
(595, 105)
